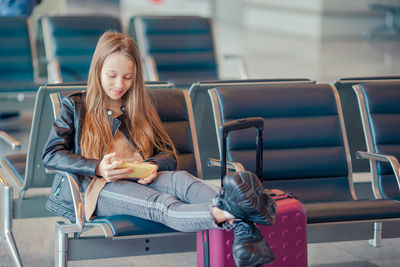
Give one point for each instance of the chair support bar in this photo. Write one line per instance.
(61, 243)
(376, 242)
(15, 145)
(244, 72)
(384, 158)
(6, 236)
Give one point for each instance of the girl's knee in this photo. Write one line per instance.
(182, 175)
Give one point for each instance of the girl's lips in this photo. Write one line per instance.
(117, 92)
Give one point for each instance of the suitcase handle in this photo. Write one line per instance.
(240, 124)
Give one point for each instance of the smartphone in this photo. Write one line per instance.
(140, 170)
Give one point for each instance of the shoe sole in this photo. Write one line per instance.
(265, 256)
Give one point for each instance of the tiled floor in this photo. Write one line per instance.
(267, 56)
(37, 249)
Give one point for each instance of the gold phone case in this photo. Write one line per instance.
(140, 170)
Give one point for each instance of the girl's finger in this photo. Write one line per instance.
(116, 163)
(155, 169)
(133, 161)
(108, 157)
(148, 179)
(123, 171)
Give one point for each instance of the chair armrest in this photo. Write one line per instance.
(15, 145)
(77, 198)
(3, 180)
(231, 165)
(244, 73)
(384, 158)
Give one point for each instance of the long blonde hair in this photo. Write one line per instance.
(144, 125)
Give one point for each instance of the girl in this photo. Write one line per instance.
(114, 122)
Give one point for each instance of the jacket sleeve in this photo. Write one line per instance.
(165, 161)
(59, 150)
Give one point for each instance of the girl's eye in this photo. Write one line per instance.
(112, 76)
(128, 77)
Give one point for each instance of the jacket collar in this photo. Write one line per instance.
(115, 122)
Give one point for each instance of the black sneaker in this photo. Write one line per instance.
(244, 197)
(249, 247)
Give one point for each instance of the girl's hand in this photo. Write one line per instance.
(152, 176)
(108, 168)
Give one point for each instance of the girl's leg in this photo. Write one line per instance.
(131, 198)
(134, 199)
(185, 187)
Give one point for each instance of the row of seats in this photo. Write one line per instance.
(354, 130)
(17, 79)
(305, 152)
(177, 49)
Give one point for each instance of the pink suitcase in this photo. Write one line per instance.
(287, 237)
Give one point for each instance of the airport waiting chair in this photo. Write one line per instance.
(351, 114)
(379, 104)
(204, 119)
(124, 235)
(18, 82)
(305, 152)
(69, 44)
(22, 172)
(179, 49)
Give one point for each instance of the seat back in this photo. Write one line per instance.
(16, 62)
(175, 111)
(351, 114)
(17, 72)
(70, 42)
(204, 120)
(181, 48)
(380, 110)
(43, 116)
(305, 149)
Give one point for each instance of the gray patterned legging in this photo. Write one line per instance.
(175, 198)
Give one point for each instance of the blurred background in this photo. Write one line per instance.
(323, 40)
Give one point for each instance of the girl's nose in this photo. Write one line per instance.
(119, 82)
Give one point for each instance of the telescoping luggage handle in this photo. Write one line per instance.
(240, 124)
(225, 129)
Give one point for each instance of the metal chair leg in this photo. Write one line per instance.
(6, 231)
(61, 259)
(376, 242)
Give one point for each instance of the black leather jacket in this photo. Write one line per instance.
(62, 152)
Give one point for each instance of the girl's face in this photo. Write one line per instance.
(117, 76)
